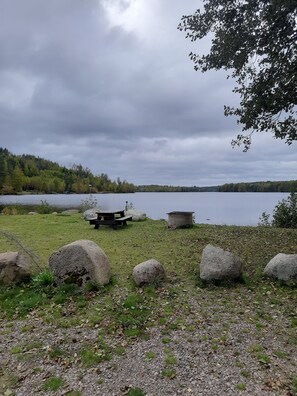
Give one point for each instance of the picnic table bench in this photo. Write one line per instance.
(112, 218)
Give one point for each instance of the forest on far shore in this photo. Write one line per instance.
(262, 186)
(27, 173)
(30, 174)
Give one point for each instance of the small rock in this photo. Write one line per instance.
(148, 272)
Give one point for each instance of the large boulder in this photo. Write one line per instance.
(282, 267)
(137, 215)
(14, 268)
(90, 214)
(80, 262)
(219, 264)
(149, 271)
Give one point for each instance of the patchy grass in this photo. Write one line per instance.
(120, 313)
(53, 384)
(135, 392)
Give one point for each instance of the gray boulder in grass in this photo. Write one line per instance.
(282, 267)
(14, 268)
(137, 215)
(219, 264)
(90, 214)
(80, 262)
(148, 272)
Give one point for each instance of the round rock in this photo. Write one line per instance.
(219, 264)
(282, 267)
(148, 272)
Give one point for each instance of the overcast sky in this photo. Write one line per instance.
(108, 84)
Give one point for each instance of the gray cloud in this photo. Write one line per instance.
(109, 84)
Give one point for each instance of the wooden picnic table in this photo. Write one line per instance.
(111, 218)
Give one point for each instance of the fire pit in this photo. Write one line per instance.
(179, 219)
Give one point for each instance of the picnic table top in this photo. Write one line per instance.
(109, 212)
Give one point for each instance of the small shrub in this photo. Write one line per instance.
(10, 210)
(88, 203)
(44, 207)
(264, 220)
(285, 213)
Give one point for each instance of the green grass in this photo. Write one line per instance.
(168, 373)
(120, 312)
(241, 387)
(170, 359)
(53, 384)
(150, 355)
(293, 386)
(135, 392)
(90, 357)
(178, 251)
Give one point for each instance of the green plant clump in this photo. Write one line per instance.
(44, 278)
(284, 214)
(52, 384)
(135, 392)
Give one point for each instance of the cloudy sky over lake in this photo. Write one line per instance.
(109, 84)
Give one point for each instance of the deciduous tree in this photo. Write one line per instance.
(257, 41)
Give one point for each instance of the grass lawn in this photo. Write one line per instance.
(119, 310)
(179, 251)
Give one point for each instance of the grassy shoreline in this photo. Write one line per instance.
(179, 251)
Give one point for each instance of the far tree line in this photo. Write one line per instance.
(29, 174)
(167, 188)
(267, 186)
(262, 186)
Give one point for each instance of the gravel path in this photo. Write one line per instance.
(226, 350)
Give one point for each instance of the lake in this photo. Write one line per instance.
(209, 207)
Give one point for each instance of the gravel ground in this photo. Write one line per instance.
(216, 350)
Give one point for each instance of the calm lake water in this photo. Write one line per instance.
(211, 208)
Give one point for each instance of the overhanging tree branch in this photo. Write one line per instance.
(257, 41)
